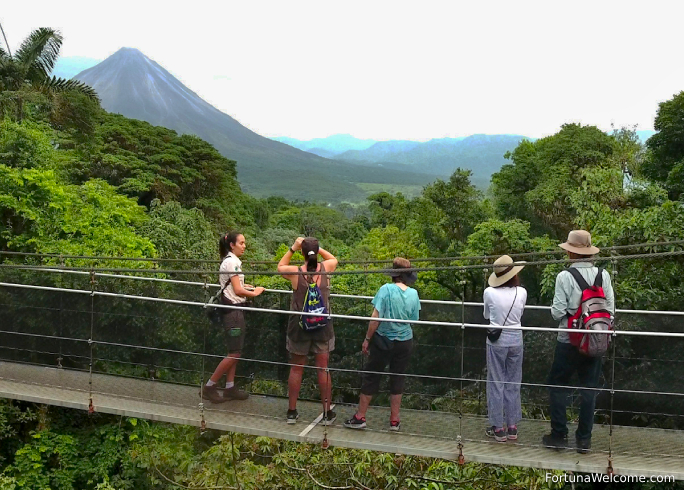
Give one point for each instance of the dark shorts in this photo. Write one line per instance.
(398, 357)
(234, 323)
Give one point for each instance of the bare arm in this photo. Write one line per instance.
(241, 291)
(329, 260)
(284, 267)
(372, 327)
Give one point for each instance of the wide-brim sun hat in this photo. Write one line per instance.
(407, 277)
(504, 270)
(579, 242)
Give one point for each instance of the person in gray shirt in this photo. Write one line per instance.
(567, 359)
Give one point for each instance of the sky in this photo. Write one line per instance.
(393, 70)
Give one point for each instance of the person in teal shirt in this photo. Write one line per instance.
(389, 342)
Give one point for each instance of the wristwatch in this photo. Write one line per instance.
(367, 339)
(292, 251)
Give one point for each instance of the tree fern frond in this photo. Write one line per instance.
(55, 84)
(39, 52)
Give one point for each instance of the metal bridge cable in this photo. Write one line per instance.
(418, 376)
(354, 371)
(652, 255)
(379, 261)
(333, 315)
(349, 296)
(612, 377)
(91, 344)
(203, 423)
(461, 393)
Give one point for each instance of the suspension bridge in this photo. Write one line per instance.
(71, 338)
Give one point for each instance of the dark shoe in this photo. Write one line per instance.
(555, 442)
(292, 416)
(583, 445)
(235, 394)
(512, 433)
(394, 425)
(212, 394)
(499, 435)
(329, 417)
(355, 423)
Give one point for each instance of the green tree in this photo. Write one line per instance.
(30, 68)
(537, 186)
(666, 162)
(459, 203)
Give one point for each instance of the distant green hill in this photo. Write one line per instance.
(481, 153)
(330, 146)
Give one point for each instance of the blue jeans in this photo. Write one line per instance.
(566, 361)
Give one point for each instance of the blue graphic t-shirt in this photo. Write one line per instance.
(392, 302)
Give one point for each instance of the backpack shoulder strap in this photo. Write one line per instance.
(307, 278)
(598, 282)
(583, 284)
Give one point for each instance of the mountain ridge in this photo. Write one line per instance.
(131, 84)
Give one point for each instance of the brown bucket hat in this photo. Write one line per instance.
(579, 242)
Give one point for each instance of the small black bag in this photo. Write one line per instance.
(214, 314)
(382, 342)
(493, 334)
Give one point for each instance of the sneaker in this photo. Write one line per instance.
(292, 416)
(512, 433)
(234, 393)
(583, 445)
(329, 417)
(499, 435)
(394, 425)
(355, 423)
(212, 394)
(555, 442)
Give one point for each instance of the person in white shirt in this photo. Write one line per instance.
(234, 292)
(504, 303)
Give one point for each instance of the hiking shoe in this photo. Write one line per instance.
(499, 435)
(394, 425)
(212, 394)
(355, 423)
(512, 433)
(329, 417)
(234, 393)
(292, 416)
(583, 445)
(555, 442)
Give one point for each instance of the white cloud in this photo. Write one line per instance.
(388, 70)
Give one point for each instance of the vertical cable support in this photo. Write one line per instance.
(609, 469)
(91, 407)
(326, 407)
(459, 439)
(203, 422)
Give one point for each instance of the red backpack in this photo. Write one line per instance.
(592, 315)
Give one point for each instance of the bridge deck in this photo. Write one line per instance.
(636, 451)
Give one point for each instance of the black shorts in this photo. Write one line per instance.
(234, 323)
(398, 357)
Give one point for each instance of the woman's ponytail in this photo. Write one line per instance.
(310, 252)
